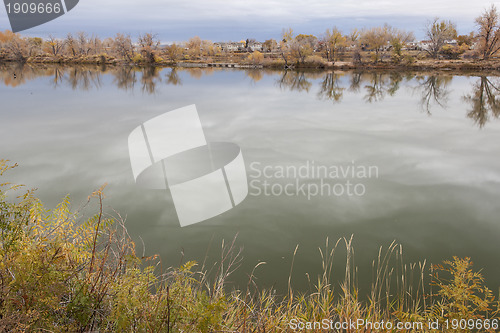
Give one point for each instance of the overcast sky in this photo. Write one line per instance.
(223, 20)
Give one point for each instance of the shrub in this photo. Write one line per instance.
(396, 58)
(452, 52)
(461, 292)
(314, 61)
(255, 58)
(274, 63)
(137, 58)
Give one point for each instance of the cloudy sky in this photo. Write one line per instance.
(224, 20)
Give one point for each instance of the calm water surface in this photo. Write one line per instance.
(434, 141)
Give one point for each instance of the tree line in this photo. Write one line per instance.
(376, 43)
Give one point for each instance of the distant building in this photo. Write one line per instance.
(239, 46)
(230, 46)
(424, 45)
(412, 46)
(255, 46)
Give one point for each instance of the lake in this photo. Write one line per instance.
(383, 156)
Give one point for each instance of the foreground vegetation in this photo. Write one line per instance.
(381, 47)
(59, 274)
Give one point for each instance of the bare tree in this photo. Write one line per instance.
(489, 32)
(194, 47)
(208, 48)
(438, 32)
(148, 45)
(269, 45)
(71, 45)
(34, 45)
(399, 39)
(122, 46)
(84, 45)
(18, 48)
(55, 46)
(96, 45)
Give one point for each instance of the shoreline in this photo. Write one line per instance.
(489, 67)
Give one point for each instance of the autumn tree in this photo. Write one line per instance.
(285, 45)
(84, 44)
(489, 32)
(173, 52)
(303, 46)
(380, 39)
(466, 40)
(14, 45)
(207, 48)
(194, 47)
(398, 39)
(71, 45)
(54, 45)
(148, 45)
(269, 45)
(122, 46)
(17, 47)
(332, 42)
(96, 45)
(354, 41)
(376, 39)
(5, 36)
(34, 45)
(438, 32)
(255, 58)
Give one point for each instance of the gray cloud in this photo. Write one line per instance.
(233, 20)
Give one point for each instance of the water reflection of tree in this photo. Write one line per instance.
(125, 77)
(484, 101)
(83, 78)
(255, 74)
(16, 74)
(355, 84)
(395, 79)
(380, 84)
(173, 77)
(150, 77)
(433, 90)
(58, 76)
(330, 88)
(295, 81)
(195, 72)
